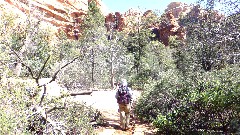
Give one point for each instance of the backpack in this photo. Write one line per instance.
(124, 96)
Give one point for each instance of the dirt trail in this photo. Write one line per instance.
(105, 102)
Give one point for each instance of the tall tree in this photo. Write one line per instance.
(212, 37)
(93, 33)
(139, 36)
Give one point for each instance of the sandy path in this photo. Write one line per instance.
(106, 103)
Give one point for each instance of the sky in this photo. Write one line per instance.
(124, 5)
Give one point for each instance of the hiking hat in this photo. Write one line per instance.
(124, 82)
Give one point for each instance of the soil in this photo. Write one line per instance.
(105, 102)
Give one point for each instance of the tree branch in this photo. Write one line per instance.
(29, 69)
(40, 72)
(55, 74)
(43, 95)
(81, 93)
(55, 108)
(66, 95)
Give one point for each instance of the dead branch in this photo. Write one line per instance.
(40, 72)
(54, 75)
(81, 93)
(74, 94)
(29, 69)
(43, 95)
(56, 108)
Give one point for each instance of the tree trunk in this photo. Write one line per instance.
(112, 74)
(93, 67)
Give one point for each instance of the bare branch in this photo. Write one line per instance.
(55, 74)
(56, 108)
(74, 94)
(40, 72)
(43, 95)
(29, 69)
(81, 93)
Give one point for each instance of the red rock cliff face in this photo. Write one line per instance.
(169, 27)
(114, 21)
(63, 14)
(122, 22)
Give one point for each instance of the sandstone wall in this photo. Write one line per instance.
(163, 30)
(62, 14)
(67, 14)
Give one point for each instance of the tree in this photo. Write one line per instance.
(93, 32)
(212, 38)
(24, 109)
(199, 95)
(139, 37)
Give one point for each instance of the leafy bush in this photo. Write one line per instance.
(156, 96)
(18, 115)
(211, 104)
(14, 100)
(29, 48)
(76, 118)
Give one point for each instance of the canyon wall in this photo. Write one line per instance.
(66, 15)
(168, 27)
(62, 14)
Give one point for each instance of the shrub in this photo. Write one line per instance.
(156, 95)
(210, 105)
(18, 115)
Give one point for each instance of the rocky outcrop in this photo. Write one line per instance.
(167, 27)
(178, 9)
(62, 14)
(170, 27)
(114, 21)
(66, 15)
(122, 22)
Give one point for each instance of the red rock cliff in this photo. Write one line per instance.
(169, 27)
(63, 14)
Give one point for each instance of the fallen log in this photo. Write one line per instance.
(81, 93)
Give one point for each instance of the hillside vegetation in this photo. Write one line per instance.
(190, 86)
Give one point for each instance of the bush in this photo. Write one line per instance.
(18, 115)
(156, 95)
(76, 118)
(210, 105)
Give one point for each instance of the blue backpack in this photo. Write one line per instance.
(124, 96)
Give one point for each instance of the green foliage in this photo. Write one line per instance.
(157, 95)
(188, 87)
(158, 59)
(76, 118)
(14, 100)
(28, 42)
(211, 39)
(210, 104)
(199, 92)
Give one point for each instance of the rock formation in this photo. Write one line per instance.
(67, 14)
(122, 22)
(178, 9)
(163, 30)
(62, 14)
(114, 21)
(170, 27)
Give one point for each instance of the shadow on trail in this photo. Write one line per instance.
(112, 124)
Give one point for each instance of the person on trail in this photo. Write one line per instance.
(124, 99)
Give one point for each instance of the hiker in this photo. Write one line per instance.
(124, 98)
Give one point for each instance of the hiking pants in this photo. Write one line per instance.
(124, 111)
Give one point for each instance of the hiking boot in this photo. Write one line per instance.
(123, 128)
(127, 128)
